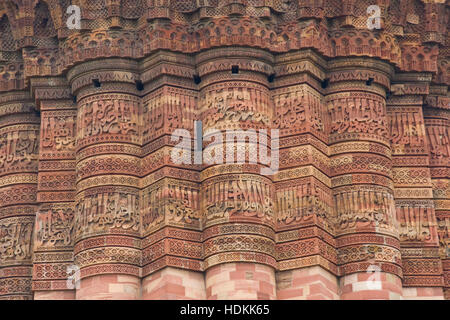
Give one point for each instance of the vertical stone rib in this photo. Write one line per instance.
(237, 200)
(19, 147)
(53, 238)
(366, 231)
(107, 221)
(307, 266)
(437, 123)
(415, 208)
(171, 229)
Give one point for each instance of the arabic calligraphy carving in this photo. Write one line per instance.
(55, 227)
(167, 108)
(108, 114)
(107, 209)
(298, 108)
(170, 201)
(364, 207)
(360, 113)
(300, 201)
(15, 240)
(416, 222)
(231, 105)
(242, 196)
(407, 128)
(17, 147)
(58, 133)
(439, 139)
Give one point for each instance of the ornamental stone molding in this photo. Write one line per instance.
(93, 204)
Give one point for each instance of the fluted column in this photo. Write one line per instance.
(107, 217)
(237, 198)
(437, 127)
(19, 147)
(361, 170)
(415, 208)
(171, 226)
(54, 272)
(307, 259)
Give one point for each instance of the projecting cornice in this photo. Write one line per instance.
(35, 40)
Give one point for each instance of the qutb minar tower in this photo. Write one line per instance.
(224, 149)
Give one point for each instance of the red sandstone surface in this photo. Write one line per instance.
(93, 206)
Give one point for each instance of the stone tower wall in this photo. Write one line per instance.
(94, 205)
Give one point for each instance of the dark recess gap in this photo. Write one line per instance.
(139, 85)
(96, 83)
(197, 79)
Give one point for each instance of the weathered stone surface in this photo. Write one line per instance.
(93, 204)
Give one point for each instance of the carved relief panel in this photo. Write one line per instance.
(299, 109)
(357, 112)
(438, 134)
(15, 240)
(407, 130)
(19, 147)
(237, 197)
(58, 130)
(54, 226)
(167, 109)
(364, 207)
(443, 229)
(106, 210)
(170, 202)
(417, 221)
(113, 117)
(303, 201)
(236, 105)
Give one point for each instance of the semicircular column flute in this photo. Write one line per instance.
(237, 206)
(107, 219)
(172, 266)
(53, 232)
(19, 148)
(306, 255)
(361, 169)
(417, 194)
